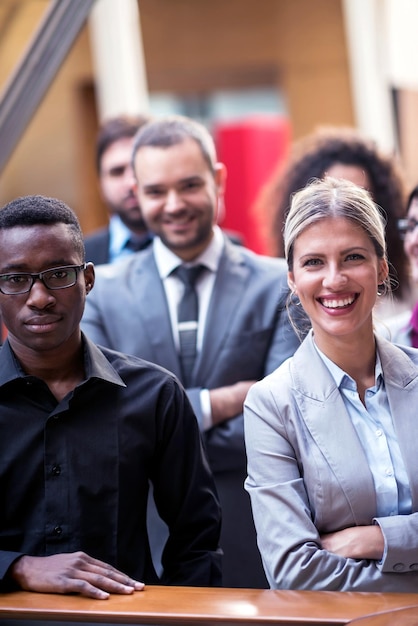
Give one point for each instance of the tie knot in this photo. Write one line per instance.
(189, 275)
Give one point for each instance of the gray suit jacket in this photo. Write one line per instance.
(247, 335)
(308, 474)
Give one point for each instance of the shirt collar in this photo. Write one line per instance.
(119, 235)
(96, 365)
(167, 261)
(340, 377)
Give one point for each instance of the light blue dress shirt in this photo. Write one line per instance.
(119, 235)
(374, 426)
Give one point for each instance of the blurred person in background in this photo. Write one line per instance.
(403, 328)
(343, 152)
(126, 232)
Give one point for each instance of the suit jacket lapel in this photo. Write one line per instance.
(401, 381)
(327, 419)
(229, 288)
(154, 314)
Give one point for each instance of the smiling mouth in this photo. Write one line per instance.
(338, 303)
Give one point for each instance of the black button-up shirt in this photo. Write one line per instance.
(74, 474)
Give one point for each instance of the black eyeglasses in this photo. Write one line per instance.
(55, 278)
(407, 225)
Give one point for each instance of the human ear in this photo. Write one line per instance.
(383, 271)
(220, 174)
(291, 282)
(89, 277)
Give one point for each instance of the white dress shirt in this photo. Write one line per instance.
(167, 262)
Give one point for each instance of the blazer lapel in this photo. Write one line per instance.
(328, 421)
(228, 290)
(401, 381)
(152, 309)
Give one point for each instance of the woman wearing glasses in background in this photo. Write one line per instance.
(404, 327)
(331, 434)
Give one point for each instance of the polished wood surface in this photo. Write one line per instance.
(397, 617)
(204, 606)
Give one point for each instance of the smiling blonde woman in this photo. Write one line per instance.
(332, 468)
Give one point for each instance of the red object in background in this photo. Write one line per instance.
(251, 150)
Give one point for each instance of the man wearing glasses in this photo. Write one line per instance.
(83, 430)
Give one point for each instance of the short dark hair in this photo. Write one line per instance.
(174, 129)
(114, 129)
(35, 210)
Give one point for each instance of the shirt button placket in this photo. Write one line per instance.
(56, 496)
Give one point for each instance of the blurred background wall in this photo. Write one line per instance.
(275, 69)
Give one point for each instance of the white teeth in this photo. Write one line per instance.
(337, 304)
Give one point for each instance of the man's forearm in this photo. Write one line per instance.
(227, 402)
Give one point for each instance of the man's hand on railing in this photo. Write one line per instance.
(71, 573)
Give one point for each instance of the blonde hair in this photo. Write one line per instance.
(331, 197)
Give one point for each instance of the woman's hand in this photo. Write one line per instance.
(357, 542)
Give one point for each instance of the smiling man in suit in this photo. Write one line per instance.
(218, 335)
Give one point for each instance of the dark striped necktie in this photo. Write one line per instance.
(187, 318)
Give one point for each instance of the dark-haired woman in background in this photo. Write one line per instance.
(343, 152)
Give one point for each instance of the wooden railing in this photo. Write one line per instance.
(203, 606)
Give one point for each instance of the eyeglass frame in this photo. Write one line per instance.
(407, 225)
(40, 276)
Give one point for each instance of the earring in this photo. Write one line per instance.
(295, 298)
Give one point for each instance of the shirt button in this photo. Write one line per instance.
(414, 567)
(56, 470)
(399, 567)
(379, 432)
(57, 530)
(389, 472)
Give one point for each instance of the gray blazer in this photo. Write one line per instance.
(308, 474)
(247, 336)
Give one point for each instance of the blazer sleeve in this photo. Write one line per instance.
(288, 540)
(226, 450)
(401, 543)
